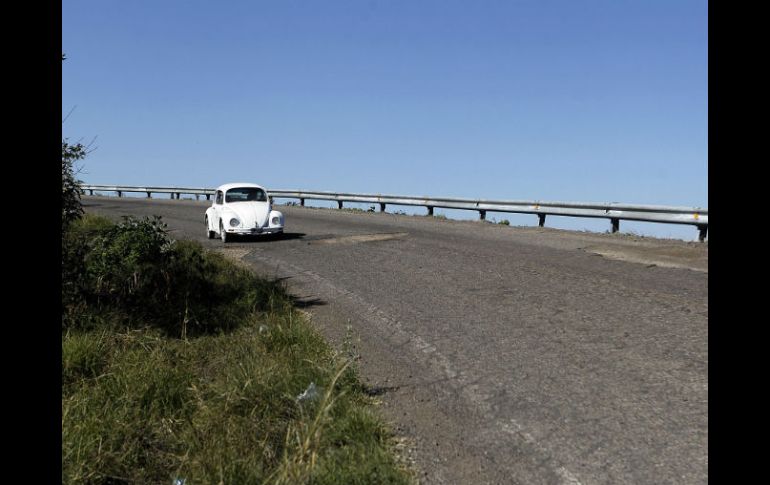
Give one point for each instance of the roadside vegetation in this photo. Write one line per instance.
(178, 366)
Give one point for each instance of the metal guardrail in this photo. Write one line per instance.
(613, 211)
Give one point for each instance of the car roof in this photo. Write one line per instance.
(226, 187)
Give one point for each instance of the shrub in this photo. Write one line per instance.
(71, 208)
(133, 274)
(124, 264)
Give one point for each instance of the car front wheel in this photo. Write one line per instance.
(222, 232)
(209, 232)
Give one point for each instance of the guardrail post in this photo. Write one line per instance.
(430, 210)
(382, 207)
(541, 220)
(339, 204)
(702, 232)
(482, 215)
(615, 224)
(302, 202)
(120, 194)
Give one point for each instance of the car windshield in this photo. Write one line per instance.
(246, 194)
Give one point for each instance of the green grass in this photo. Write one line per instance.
(142, 405)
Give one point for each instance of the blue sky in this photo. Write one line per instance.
(594, 101)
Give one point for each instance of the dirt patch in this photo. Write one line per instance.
(359, 238)
(674, 256)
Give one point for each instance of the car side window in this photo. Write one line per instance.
(220, 195)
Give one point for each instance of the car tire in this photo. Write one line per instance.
(209, 232)
(222, 233)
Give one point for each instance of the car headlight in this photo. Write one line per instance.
(276, 221)
(234, 222)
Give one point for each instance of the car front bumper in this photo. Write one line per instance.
(254, 231)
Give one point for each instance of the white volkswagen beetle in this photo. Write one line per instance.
(242, 209)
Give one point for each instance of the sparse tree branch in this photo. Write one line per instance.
(68, 114)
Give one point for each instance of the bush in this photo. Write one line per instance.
(124, 263)
(71, 208)
(135, 275)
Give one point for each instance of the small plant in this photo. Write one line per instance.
(70, 185)
(505, 222)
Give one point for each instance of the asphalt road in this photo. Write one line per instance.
(503, 354)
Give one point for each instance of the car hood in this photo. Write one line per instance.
(251, 214)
